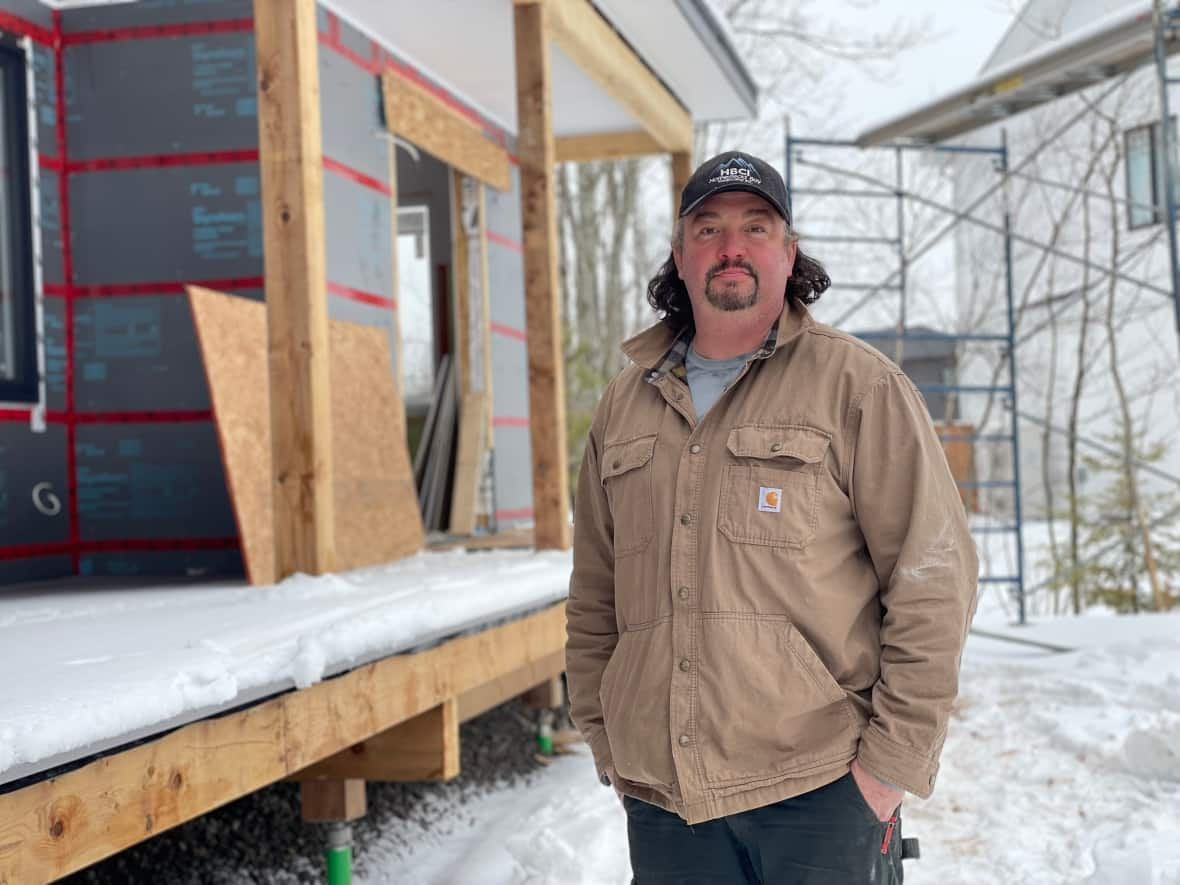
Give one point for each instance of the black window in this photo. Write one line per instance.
(18, 352)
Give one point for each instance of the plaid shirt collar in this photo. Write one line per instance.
(673, 360)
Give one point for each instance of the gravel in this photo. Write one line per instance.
(261, 838)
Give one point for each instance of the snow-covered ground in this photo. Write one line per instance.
(1058, 768)
(100, 667)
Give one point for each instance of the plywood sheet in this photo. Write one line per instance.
(377, 518)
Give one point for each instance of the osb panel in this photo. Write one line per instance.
(231, 332)
(417, 116)
(377, 516)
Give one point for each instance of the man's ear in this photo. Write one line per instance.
(676, 260)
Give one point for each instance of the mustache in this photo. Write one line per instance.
(730, 265)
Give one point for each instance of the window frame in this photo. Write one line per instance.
(23, 388)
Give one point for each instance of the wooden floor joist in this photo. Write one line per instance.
(65, 823)
(425, 748)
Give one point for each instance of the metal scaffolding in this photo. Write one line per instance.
(869, 187)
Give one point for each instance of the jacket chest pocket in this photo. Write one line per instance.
(771, 498)
(626, 476)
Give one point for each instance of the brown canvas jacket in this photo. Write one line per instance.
(763, 595)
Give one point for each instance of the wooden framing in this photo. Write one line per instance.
(486, 314)
(395, 271)
(62, 824)
(460, 287)
(681, 172)
(509, 685)
(606, 146)
(542, 306)
(595, 47)
(330, 801)
(291, 169)
(419, 117)
(424, 748)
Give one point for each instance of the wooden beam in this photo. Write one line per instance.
(606, 146)
(468, 460)
(420, 117)
(291, 168)
(424, 748)
(681, 172)
(59, 825)
(595, 47)
(507, 686)
(542, 306)
(332, 801)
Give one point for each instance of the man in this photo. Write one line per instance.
(773, 575)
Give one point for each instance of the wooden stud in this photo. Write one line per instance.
(419, 117)
(681, 172)
(291, 168)
(332, 801)
(424, 748)
(395, 271)
(486, 315)
(460, 287)
(542, 306)
(549, 694)
(468, 460)
(595, 47)
(62, 824)
(606, 146)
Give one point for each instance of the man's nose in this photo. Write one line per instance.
(730, 246)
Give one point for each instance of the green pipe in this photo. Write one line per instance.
(339, 855)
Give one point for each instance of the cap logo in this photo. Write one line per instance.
(735, 170)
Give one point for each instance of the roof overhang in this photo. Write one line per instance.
(1111, 45)
(467, 46)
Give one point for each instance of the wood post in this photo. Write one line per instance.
(332, 801)
(681, 172)
(549, 694)
(542, 306)
(291, 167)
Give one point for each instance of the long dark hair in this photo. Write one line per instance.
(668, 295)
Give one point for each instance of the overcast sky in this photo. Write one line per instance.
(964, 34)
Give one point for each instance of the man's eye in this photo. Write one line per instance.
(706, 231)
(757, 228)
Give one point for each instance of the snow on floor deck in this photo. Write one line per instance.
(89, 669)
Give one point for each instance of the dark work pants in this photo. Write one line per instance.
(829, 836)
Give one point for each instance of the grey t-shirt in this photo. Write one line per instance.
(707, 379)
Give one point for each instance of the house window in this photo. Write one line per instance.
(18, 360)
(415, 305)
(1146, 175)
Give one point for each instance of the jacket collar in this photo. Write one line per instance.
(661, 350)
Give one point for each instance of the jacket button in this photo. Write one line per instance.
(615, 465)
(776, 447)
(686, 519)
(685, 664)
(678, 396)
(683, 592)
(695, 448)
(684, 740)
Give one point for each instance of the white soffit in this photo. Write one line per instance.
(1118, 42)
(691, 50)
(468, 47)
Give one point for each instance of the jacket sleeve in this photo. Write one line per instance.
(909, 510)
(591, 628)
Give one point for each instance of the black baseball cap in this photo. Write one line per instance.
(735, 171)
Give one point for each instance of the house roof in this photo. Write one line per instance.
(1119, 41)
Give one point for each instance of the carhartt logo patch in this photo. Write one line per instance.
(770, 500)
